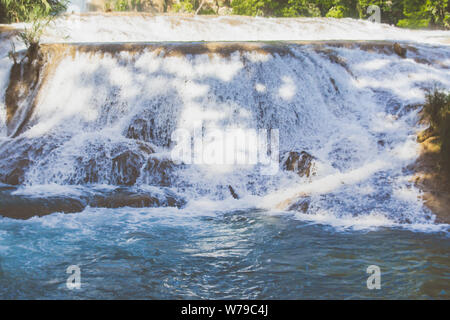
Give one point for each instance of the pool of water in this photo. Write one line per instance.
(168, 253)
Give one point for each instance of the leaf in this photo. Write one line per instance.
(47, 6)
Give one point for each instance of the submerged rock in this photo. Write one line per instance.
(301, 163)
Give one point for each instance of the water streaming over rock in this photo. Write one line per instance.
(104, 114)
(95, 130)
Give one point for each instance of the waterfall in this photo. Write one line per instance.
(104, 115)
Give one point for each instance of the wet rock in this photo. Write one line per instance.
(25, 207)
(301, 205)
(399, 50)
(137, 199)
(158, 171)
(118, 165)
(141, 129)
(25, 80)
(301, 163)
(150, 126)
(233, 193)
(14, 173)
(334, 58)
(126, 167)
(118, 200)
(333, 82)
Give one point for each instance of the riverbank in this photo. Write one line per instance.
(431, 179)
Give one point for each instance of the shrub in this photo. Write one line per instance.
(25, 10)
(184, 6)
(437, 108)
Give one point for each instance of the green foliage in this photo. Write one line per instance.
(413, 23)
(31, 36)
(336, 12)
(196, 6)
(121, 5)
(297, 8)
(184, 6)
(437, 108)
(125, 5)
(404, 13)
(3, 17)
(284, 8)
(26, 10)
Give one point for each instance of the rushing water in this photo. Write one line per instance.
(98, 139)
(163, 253)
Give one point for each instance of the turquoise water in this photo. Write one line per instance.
(164, 253)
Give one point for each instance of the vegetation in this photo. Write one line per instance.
(437, 109)
(28, 10)
(404, 13)
(31, 35)
(39, 13)
(126, 5)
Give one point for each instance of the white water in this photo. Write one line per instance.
(138, 28)
(88, 105)
(100, 28)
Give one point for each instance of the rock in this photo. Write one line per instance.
(301, 205)
(16, 172)
(300, 163)
(233, 193)
(399, 50)
(149, 127)
(123, 197)
(333, 82)
(126, 167)
(158, 171)
(24, 207)
(119, 200)
(141, 129)
(118, 164)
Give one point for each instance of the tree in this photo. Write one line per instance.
(25, 10)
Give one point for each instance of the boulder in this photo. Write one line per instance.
(126, 167)
(301, 163)
(25, 207)
(113, 164)
(14, 173)
(301, 205)
(141, 129)
(123, 197)
(399, 50)
(158, 171)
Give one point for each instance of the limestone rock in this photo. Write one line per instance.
(301, 163)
